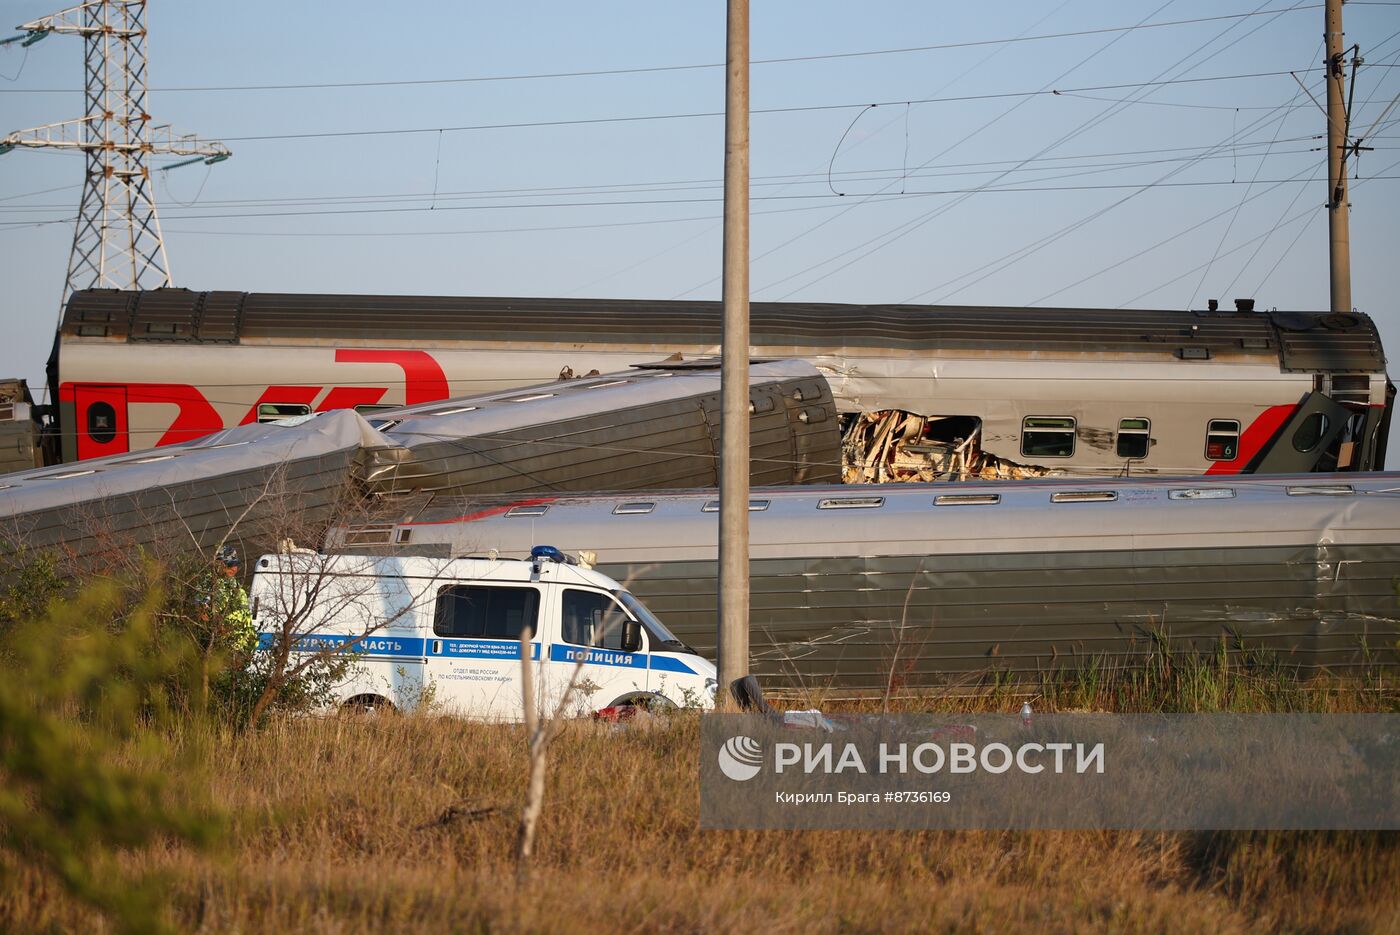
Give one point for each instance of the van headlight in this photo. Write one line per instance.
(712, 687)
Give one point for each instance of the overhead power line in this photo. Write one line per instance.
(655, 69)
(808, 108)
(831, 202)
(1193, 154)
(826, 268)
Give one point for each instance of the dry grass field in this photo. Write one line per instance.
(407, 823)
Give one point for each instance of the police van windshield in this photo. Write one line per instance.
(648, 619)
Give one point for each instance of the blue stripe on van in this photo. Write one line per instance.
(660, 663)
(597, 657)
(406, 646)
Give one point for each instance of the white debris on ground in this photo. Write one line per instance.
(893, 446)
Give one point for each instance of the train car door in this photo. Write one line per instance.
(100, 415)
(1305, 438)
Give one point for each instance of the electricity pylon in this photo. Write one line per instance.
(117, 243)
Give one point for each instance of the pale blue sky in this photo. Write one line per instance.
(631, 208)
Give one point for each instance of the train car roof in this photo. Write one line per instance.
(1299, 341)
(822, 522)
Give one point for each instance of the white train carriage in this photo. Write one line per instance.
(926, 392)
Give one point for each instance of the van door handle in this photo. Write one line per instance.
(437, 647)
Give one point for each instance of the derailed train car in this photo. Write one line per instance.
(860, 589)
(925, 392)
(644, 428)
(259, 483)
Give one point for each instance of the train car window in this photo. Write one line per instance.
(1084, 496)
(1310, 433)
(370, 410)
(635, 506)
(851, 503)
(530, 509)
(966, 499)
(101, 422)
(755, 506)
(369, 534)
(65, 475)
(1222, 440)
(1134, 437)
(271, 412)
(1047, 437)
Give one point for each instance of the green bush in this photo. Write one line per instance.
(89, 692)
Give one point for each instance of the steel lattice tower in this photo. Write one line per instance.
(117, 243)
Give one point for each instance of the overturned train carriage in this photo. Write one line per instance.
(860, 589)
(641, 429)
(925, 392)
(247, 487)
(259, 483)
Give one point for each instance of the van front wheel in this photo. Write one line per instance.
(367, 705)
(650, 702)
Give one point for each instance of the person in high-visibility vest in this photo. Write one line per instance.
(230, 604)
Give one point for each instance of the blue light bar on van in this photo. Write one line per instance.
(553, 554)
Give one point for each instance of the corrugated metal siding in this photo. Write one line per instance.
(192, 517)
(99, 313)
(1019, 586)
(647, 445)
(219, 317)
(816, 325)
(650, 439)
(842, 624)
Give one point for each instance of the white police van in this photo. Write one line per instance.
(449, 630)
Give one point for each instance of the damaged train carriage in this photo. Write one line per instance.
(925, 392)
(856, 590)
(257, 484)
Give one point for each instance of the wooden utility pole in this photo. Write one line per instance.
(734, 371)
(1339, 239)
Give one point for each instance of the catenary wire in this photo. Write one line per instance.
(690, 67)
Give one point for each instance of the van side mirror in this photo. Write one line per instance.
(631, 636)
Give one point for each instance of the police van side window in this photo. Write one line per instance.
(591, 619)
(485, 613)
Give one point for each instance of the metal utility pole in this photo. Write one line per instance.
(117, 243)
(1339, 242)
(734, 371)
